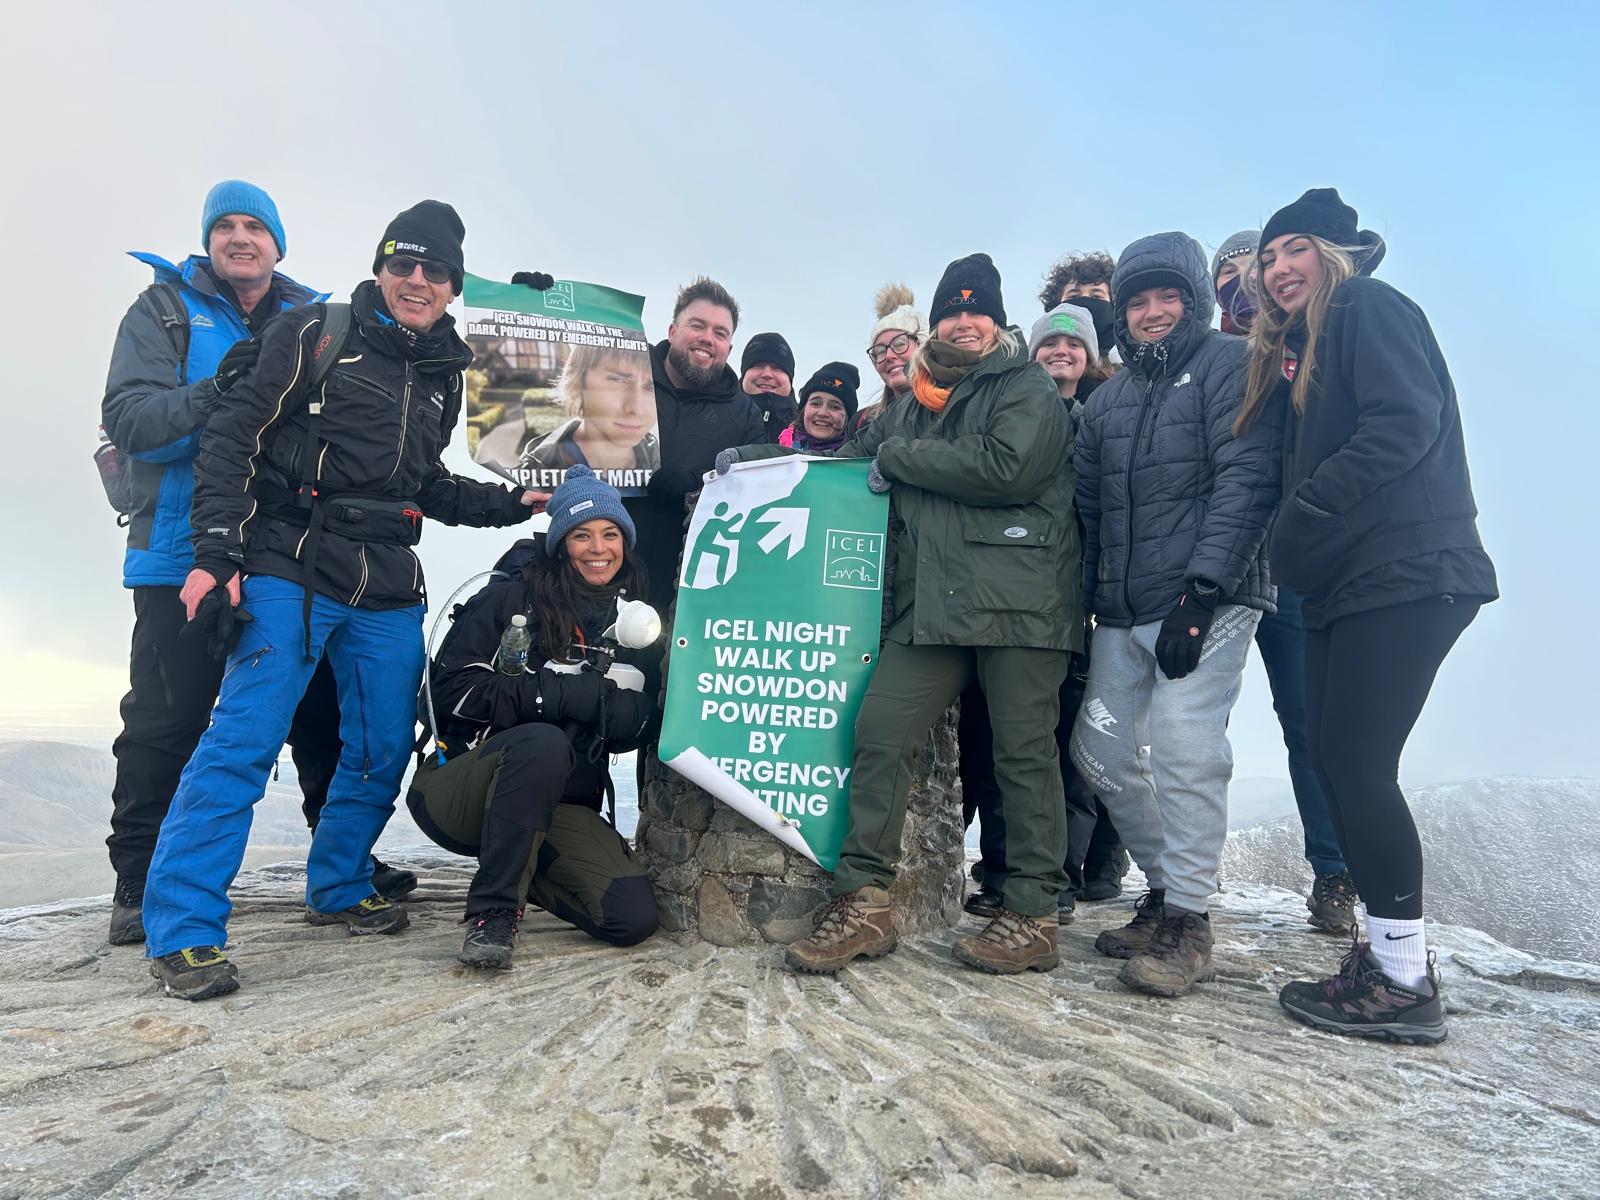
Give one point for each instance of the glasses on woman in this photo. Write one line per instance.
(401, 266)
(898, 344)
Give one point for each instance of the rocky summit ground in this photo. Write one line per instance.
(379, 1068)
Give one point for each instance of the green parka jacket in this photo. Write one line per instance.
(988, 550)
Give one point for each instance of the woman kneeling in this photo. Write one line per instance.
(525, 774)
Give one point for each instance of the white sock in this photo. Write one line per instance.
(1400, 948)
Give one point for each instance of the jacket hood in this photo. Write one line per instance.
(1372, 250)
(194, 272)
(1164, 258)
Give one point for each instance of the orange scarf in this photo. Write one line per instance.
(929, 395)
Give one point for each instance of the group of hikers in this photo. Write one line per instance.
(1093, 518)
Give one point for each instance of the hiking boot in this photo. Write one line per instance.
(1066, 906)
(490, 936)
(372, 915)
(392, 882)
(127, 912)
(1361, 1001)
(854, 925)
(1177, 958)
(1102, 878)
(197, 973)
(1010, 944)
(1133, 937)
(986, 902)
(1332, 904)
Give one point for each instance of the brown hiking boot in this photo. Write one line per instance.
(851, 926)
(1012, 943)
(1177, 958)
(1133, 937)
(1332, 904)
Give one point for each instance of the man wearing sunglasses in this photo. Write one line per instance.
(310, 488)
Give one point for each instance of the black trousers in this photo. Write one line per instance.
(980, 795)
(173, 684)
(509, 803)
(1367, 678)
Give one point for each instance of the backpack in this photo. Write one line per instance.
(164, 300)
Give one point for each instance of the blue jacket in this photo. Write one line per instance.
(155, 406)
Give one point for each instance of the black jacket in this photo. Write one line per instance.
(388, 409)
(471, 699)
(1378, 507)
(1166, 492)
(695, 425)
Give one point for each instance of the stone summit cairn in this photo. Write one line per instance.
(723, 879)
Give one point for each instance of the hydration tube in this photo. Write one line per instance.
(427, 670)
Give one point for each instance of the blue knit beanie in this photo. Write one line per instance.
(584, 497)
(237, 196)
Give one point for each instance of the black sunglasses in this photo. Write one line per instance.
(402, 265)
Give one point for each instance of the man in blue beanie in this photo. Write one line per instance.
(167, 373)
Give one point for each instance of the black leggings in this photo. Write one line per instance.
(1367, 678)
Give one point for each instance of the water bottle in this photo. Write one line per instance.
(515, 643)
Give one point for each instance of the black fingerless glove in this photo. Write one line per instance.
(537, 280)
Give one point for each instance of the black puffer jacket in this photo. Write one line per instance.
(471, 699)
(387, 412)
(696, 425)
(1378, 507)
(1166, 492)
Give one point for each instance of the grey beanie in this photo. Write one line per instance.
(1070, 319)
(1245, 241)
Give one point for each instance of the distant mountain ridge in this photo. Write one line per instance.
(1509, 855)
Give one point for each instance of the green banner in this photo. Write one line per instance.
(776, 635)
(559, 377)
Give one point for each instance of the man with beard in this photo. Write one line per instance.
(766, 373)
(700, 410)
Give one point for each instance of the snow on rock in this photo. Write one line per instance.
(379, 1068)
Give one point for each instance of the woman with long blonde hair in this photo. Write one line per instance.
(1378, 532)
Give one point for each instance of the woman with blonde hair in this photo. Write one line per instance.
(1378, 532)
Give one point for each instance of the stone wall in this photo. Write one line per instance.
(723, 878)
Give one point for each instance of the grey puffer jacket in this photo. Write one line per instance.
(1166, 492)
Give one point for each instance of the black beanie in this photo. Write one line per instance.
(1319, 212)
(1105, 320)
(431, 230)
(970, 284)
(767, 348)
(837, 379)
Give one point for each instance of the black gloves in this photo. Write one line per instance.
(564, 697)
(241, 356)
(219, 622)
(1183, 632)
(537, 280)
(628, 713)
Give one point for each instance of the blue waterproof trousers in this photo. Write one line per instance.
(377, 660)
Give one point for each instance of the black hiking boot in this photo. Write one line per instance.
(490, 936)
(127, 912)
(1361, 1001)
(1332, 904)
(1133, 937)
(1066, 906)
(196, 973)
(1177, 957)
(372, 915)
(392, 882)
(986, 902)
(1102, 879)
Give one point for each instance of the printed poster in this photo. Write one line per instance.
(559, 377)
(779, 607)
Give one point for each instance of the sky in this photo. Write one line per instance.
(804, 156)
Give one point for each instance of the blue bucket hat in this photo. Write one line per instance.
(582, 497)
